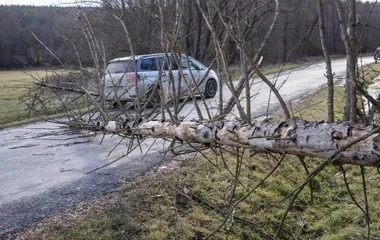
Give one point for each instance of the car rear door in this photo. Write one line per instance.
(190, 72)
(181, 73)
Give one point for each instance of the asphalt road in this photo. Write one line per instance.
(44, 166)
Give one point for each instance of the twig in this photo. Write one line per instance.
(368, 221)
(48, 49)
(350, 192)
(302, 160)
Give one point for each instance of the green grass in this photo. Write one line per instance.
(314, 107)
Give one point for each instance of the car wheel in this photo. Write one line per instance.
(210, 88)
(118, 104)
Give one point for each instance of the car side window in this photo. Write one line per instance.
(155, 65)
(170, 63)
(152, 64)
(147, 64)
(187, 64)
(162, 64)
(197, 64)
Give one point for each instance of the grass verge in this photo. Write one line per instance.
(370, 72)
(14, 85)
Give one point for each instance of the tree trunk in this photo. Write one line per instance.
(199, 32)
(329, 75)
(353, 60)
(296, 137)
(285, 40)
(349, 39)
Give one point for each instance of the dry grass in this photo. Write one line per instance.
(14, 85)
(371, 72)
(17, 90)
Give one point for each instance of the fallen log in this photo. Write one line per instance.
(295, 136)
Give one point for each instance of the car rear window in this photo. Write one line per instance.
(121, 67)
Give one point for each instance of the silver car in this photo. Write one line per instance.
(138, 76)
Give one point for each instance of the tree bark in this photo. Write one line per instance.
(329, 75)
(349, 39)
(353, 60)
(295, 136)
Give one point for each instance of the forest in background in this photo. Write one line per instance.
(295, 37)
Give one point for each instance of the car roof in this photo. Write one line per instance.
(137, 57)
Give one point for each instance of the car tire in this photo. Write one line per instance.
(118, 104)
(211, 88)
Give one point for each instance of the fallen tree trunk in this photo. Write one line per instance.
(295, 136)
